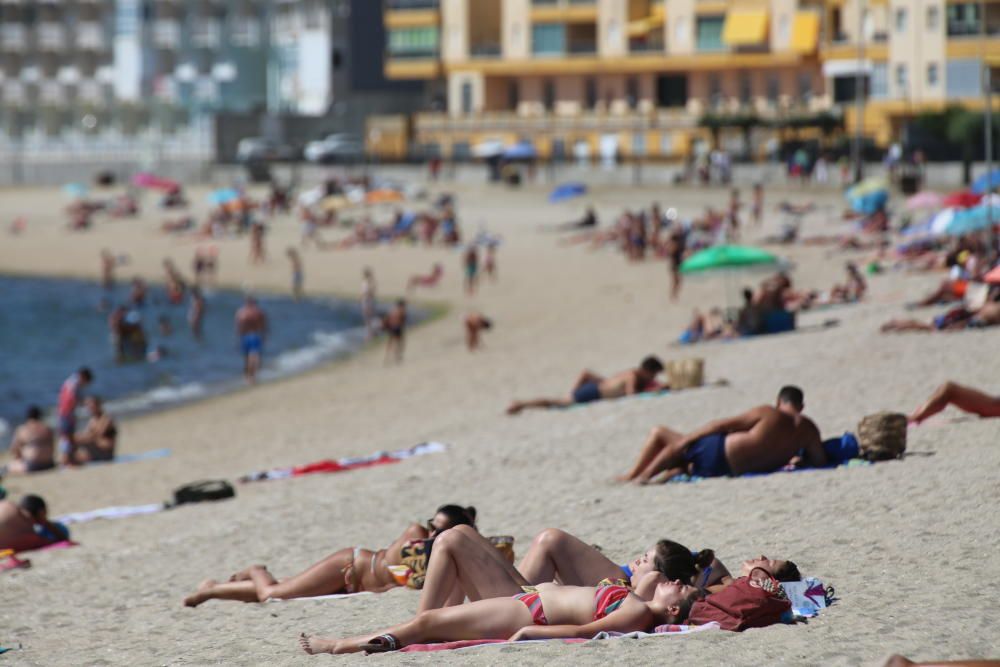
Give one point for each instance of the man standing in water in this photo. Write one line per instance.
(368, 301)
(298, 276)
(394, 325)
(69, 397)
(251, 328)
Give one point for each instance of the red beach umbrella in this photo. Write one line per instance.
(961, 199)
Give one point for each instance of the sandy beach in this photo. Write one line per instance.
(911, 546)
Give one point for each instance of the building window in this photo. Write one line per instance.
(901, 82)
(933, 18)
(932, 74)
(805, 87)
(466, 97)
(963, 19)
(880, 81)
(714, 90)
(414, 42)
(671, 90)
(900, 19)
(549, 94)
(632, 92)
(548, 38)
(773, 88)
(513, 94)
(709, 33)
(746, 88)
(590, 92)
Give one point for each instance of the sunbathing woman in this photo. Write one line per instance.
(548, 612)
(350, 570)
(465, 564)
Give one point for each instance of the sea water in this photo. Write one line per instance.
(51, 327)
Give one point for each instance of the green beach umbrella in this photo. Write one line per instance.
(723, 257)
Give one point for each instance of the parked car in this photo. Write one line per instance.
(336, 148)
(259, 149)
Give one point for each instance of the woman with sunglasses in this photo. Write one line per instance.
(349, 570)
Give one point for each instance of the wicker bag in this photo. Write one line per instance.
(882, 436)
(686, 373)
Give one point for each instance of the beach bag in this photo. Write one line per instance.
(882, 436)
(686, 373)
(203, 491)
(749, 602)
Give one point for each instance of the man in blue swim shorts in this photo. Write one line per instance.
(591, 387)
(251, 329)
(763, 439)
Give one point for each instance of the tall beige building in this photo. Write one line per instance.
(586, 75)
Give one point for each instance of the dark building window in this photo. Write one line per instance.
(549, 94)
(671, 91)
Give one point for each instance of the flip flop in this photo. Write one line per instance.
(381, 644)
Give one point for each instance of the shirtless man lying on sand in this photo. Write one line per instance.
(26, 525)
(763, 439)
(591, 387)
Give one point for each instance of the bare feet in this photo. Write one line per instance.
(314, 645)
(200, 595)
(515, 408)
(897, 661)
(244, 575)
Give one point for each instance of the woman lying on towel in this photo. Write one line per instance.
(350, 570)
(548, 611)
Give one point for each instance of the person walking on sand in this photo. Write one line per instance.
(108, 262)
(251, 330)
(591, 387)
(471, 264)
(394, 324)
(762, 439)
(33, 447)
(257, 252)
(298, 276)
(490, 263)
(368, 289)
(475, 324)
(70, 395)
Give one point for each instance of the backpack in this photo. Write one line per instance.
(749, 602)
(203, 491)
(882, 436)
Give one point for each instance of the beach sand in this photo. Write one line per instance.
(910, 546)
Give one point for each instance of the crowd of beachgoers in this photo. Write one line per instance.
(562, 587)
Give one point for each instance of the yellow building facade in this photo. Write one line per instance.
(580, 76)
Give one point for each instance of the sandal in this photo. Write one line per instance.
(381, 644)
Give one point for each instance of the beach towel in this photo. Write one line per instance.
(140, 456)
(660, 631)
(119, 512)
(335, 596)
(852, 463)
(327, 466)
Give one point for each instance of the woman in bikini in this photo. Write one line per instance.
(465, 564)
(350, 570)
(548, 611)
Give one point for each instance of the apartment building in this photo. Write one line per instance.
(636, 75)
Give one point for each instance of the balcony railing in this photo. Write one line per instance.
(416, 54)
(166, 34)
(485, 50)
(90, 36)
(582, 48)
(646, 46)
(411, 4)
(51, 37)
(13, 37)
(206, 34)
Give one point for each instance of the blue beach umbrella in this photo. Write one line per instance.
(987, 182)
(972, 220)
(567, 191)
(223, 196)
(75, 190)
(522, 150)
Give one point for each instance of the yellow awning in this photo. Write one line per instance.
(644, 26)
(745, 27)
(805, 32)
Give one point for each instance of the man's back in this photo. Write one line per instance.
(767, 446)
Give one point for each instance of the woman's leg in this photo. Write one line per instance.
(240, 591)
(497, 618)
(463, 558)
(966, 399)
(555, 555)
(658, 440)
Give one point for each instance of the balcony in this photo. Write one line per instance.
(13, 92)
(51, 37)
(13, 37)
(90, 36)
(90, 91)
(582, 48)
(206, 34)
(245, 32)
(51, 92)
(166, 34)
(485, 50)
